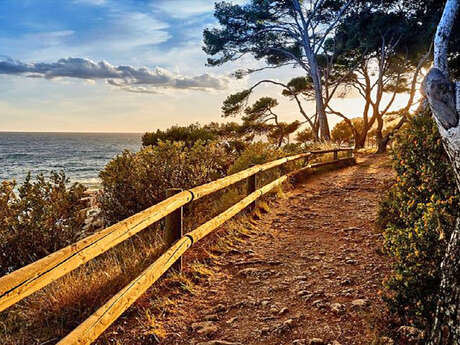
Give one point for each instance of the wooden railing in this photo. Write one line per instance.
(25, 281)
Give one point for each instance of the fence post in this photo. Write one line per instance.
(336, 155)
(252, 187)
(174, 226)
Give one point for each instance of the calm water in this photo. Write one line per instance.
(80, 155)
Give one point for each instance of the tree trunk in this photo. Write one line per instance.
(382, 144)
(444, 99)
(360, 141)
(320, 109)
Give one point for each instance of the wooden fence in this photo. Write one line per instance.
(25, 281)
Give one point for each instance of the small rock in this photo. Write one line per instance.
(337, 308)
(316, 341)
(264, 303)
(283, 311)
(359, 303)
(206, 331)
(302, 292)
(232, 320)
(288, 323)
(218, 342)
(264, 331)
(335, 342)
(219, 308)
(299, 342)
(199, 325)
(211, 317)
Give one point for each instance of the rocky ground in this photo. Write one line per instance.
(310, 272)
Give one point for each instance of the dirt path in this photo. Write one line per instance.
(310, 274)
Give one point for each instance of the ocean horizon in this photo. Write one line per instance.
(81, 155)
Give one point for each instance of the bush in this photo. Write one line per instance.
(132, 182)
(187, 134)
(43, 217)
(418, 216)
(256, 153)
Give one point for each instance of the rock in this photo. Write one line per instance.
(316, 341)
(199, 325)
(264, 303)
(218, 342)
(337, 308)
(219, 308)
(232, 320)
(299, 342)
(264, 331)
(303, 293)
(285, 326)
(410, 335)
(211, 317)
(359, 303)
(351, 229)
(288, 323)
(283, 311)
(335, 342)
(206, 331)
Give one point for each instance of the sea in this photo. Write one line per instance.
(80, 155)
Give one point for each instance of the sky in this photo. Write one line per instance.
(118, 66)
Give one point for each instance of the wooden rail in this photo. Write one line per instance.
(23, 282)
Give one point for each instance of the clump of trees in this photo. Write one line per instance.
(378, 49)
(279, 32)
(189, 135)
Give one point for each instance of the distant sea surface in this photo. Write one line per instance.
(80, 155)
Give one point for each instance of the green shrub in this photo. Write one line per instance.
(187, 134)
(132, 182)
(418, 216)
(256, 153)
(42, 217)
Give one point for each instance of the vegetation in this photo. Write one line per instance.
(186, 134)
(41, 217)
(292, 32)
(131, 182)
(418, 216)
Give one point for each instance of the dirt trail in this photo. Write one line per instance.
(310, 275)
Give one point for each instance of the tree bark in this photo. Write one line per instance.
(443, 97)
(320, 108)
(314, 73)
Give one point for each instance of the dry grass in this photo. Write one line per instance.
(53, 311)
(49, 314)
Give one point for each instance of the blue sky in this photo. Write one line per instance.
(114, 66)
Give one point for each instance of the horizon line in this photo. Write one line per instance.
(64, 131)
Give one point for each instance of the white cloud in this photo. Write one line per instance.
(126, 77)
(187, 8)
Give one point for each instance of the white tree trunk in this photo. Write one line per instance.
(443, 97)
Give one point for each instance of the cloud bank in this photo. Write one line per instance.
(142, 80)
